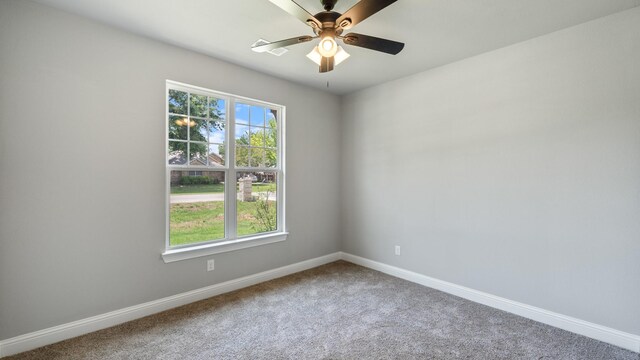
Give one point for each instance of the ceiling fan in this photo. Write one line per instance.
(329, 25)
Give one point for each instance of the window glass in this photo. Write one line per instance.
(257, 140)
(242, 113)
(178, 102)
(196, 210)
(256, 202)
(198, 105)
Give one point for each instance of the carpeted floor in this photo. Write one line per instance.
(336, 311)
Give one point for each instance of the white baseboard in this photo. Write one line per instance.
(54, 334)
(66, 331)
(581, 327)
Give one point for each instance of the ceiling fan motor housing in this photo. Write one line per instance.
(328, 20)
(328, 4)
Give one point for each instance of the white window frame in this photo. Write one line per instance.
(231, 241)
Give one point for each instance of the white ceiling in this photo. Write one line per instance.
(436, 32)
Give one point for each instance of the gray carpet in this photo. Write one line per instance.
(336, 311)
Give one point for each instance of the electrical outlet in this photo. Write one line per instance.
(397, 249)
(210, 265)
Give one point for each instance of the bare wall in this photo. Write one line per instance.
(516, 172)
(82, 126)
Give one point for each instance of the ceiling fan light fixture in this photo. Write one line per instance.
(314, 55)
(340, 56)
(328, 46)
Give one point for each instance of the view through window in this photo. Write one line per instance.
(224, 167)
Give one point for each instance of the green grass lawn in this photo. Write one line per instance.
(217, 188)
(260, 187)
(197, 189)
(202, 221)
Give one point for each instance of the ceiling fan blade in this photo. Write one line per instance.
(360, 11)
(298, 11)
(326, 64)
(373, 43)
(282, 43)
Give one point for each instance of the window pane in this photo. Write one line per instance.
(257, 116)
(198, 154)
(271, 158)
(271, 134)
(242, 156)
(177, 153)
(198, 130)
(216, 155)
(256, 203)
(196, 207)
(216, 108)
(216, 132)
(242, 134)
(257, 136)
(178, 127)
(257, 157)
(272, 115)
(198, 105)
(242, 113)
(178, 102)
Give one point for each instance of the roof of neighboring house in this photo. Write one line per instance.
(178, 158)
(215, 159)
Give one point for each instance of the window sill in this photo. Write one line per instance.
(221, 247)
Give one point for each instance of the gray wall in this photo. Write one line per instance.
(82, 127)
(516, 172)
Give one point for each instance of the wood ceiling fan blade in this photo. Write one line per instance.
(298, 11)
(282, 43)
(326, 64)
(360, 11)
(373, 43)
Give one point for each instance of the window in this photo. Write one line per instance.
(225, 172)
